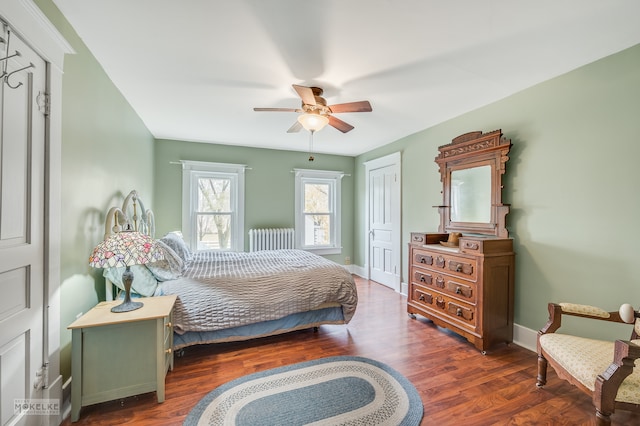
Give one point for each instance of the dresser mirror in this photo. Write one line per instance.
(471, 169)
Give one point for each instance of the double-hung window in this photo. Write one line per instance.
(213, 205)
(317, 210)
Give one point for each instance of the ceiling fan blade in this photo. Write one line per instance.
(295, 128)
(279, 109)
(362, 106)
(339, 124)
(306, 94)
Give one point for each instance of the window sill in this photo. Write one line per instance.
(323, 250)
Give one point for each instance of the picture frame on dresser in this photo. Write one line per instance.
(467, 288)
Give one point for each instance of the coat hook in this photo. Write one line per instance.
(6, 78)
(10, 56)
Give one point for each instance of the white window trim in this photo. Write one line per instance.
(191, 171)
(336, 230)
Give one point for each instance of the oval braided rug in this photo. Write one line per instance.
(343, 390)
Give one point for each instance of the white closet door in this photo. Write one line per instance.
(22, 174)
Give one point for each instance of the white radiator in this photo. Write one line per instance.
(271, 239)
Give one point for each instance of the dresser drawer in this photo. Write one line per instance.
(455, 310)
(446, 308)
(454, 265)
(421, 296)
(421, 258)
(421, 276)
(461, 311)
(473, 245)
(445, 283)
(461, 290)
(444, 261)
(420, 238)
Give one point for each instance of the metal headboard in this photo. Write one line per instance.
(131, 216)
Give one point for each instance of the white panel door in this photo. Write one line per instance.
(384, 224)
(22, 151)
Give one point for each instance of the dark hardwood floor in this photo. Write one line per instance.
(458, 385)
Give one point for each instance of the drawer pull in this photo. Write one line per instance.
(169, 325)
(464, 268)
(460, 289)
(424, 297)
(470, 245)
(460, 311)
(168, 351)
(440, 303)
(423, 278)
(440, 282)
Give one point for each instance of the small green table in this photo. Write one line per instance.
(115, 355)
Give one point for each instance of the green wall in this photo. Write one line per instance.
(572, 181)
(106, 152)
(269, 185)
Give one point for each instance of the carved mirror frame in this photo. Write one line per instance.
(475, 149)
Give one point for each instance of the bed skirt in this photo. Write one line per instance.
(293, 322)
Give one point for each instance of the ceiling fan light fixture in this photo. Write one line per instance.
(313, 122)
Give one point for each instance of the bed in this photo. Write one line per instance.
(233, 296)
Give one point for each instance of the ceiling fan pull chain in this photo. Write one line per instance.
(311, 132)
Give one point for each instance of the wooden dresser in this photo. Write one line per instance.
(467, 289)
(462, 278)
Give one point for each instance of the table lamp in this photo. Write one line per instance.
(124, 249)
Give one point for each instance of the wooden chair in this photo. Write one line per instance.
(602, 369)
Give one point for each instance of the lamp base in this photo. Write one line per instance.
(127, 306)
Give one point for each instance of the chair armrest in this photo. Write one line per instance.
(556, 310)
(606, 387)
(584, 311)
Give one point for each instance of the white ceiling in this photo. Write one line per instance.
(194, 69)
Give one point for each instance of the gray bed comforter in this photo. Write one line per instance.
(221, 290)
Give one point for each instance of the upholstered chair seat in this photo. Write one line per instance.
(603, 369)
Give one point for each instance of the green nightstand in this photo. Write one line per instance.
(115, 355)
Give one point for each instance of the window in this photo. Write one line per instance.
(317, 211)
(213, 205)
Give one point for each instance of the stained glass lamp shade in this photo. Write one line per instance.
(125, 249)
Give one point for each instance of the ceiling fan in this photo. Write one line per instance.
(316, 113)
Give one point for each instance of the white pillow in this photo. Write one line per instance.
(175, 241)
(170, 268)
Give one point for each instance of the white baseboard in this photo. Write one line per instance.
(66, 398)
(54, 392)
(359, 271)
(525, 337)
